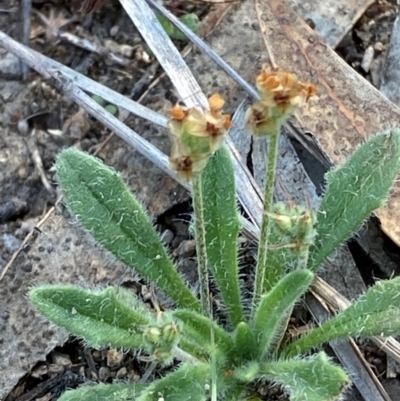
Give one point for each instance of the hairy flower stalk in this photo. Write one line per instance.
(196, 136)
(280, 94)
(201, 245)
(293, 225)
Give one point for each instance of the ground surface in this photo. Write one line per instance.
(24, 198)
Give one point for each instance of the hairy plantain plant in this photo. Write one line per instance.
(225, 357)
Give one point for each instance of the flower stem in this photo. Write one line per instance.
(259, 285)
(203, 273)
(201, 246)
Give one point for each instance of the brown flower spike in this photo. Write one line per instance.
(281, 93)
(196, 135)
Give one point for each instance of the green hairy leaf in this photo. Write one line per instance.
(197, 328)
(193, 348)
(245, 343)
(233, 393)
(311, 379)
(96, 316)
(247, 372)
(354, 191)
(274, 306)
(222, 225)
(377, 312)
(188, 383)
(105, 392)
(103, 203)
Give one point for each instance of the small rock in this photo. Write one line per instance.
(367, 58)
(40, 371)
(104, 373)
(114, 358)
(114, 30)
(26, 227)
(181, 228)
(55, 369)
(12, 209)
(10, 66)
(61, 359)
(133, 376)
(167, 236)
(78, 125)
(123, 50)
(126, 50)
(186, 249)
(376, 361)
(122, 373)
(379, 47)
(96, 355)
(146, 293)
(10, 242)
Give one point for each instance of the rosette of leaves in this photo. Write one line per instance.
(234, 353)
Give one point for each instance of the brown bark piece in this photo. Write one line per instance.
(347, 111)
(391, 73)
(333, 19)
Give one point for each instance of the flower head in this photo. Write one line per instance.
(283, 90)
(196, 134)
(280, 93)
(187, 124)
(259, 121)
(186, 164)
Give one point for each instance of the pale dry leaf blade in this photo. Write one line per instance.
(166, 53)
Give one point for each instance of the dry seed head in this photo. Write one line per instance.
(259, 122)
(283, 90)
(281, 93)
(184, 163)
(196, 135)
(200, 123)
